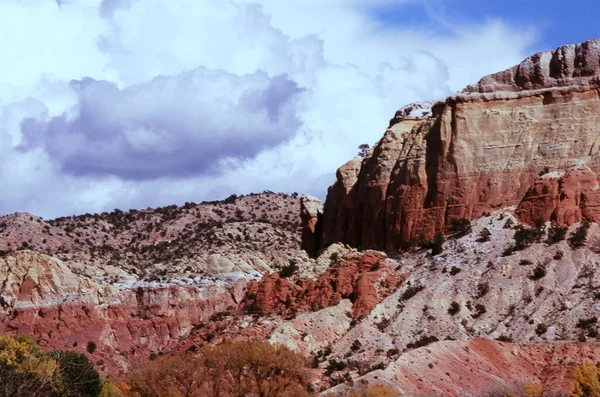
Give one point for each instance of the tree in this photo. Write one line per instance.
(376, 390)
(460, 226)
(25, 370)
(229, 370)
(78, 374)
(363, 150)
(579, 236)
(586, 381)
(436, 244)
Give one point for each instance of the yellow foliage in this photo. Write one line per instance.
(380, 391)
(232, 369)
(587, 381)
(533, 390)
(25, 369)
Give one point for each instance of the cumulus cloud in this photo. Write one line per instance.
(170, 126)
(135, 103)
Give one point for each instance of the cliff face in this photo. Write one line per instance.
(525, 137)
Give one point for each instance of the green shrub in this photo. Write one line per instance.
(460, 227)
(411, 291)
(423, 341)
(484, 235)
(91, 347)
(479, 310)
(78, 374)
(538, 273)
(556, 234)
(482, 289)
(541, 329)
(436, 244)
(579, 236)
(454, 308)
(454, 270)
(289, 270)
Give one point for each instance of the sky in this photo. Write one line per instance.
(141, 103)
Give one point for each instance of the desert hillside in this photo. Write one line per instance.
(459, 257)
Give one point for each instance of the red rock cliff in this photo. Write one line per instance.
(527, 136)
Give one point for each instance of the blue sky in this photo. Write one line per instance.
(556, 22)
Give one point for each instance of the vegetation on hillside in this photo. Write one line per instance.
(26, 370)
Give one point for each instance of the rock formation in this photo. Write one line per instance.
(311, 210)
(527, 136)
(365, 279)
(42, 298)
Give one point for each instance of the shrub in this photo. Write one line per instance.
(411, 291)
(91, 347)
(586, 380)
(541, 329)
(372, 391)
(579, 236)
(558, 255)
(454, 308)
(524, 237)
(436, 244)
(383, 324)
(460, 227)
(504, 338)
(78, 374)
(392, 352)
(423, 341)
(363, 150)
(231, 369)
(454, 270)
(586, 323)
(479, 310)
(556, 234)
(538, 273)
(26, 370)
(289, 270)
(484, 235)
(482, 289)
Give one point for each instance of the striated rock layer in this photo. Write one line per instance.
(527, 136)
(42, 298)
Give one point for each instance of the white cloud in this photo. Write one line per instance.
(167, 81)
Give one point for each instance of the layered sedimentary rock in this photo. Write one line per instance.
(42, 298)
(526, 137)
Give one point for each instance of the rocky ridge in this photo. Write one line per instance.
(253, 233)
(525, 137)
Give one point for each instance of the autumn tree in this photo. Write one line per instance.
(25, 370)
(586, 381)
(229, 370)
(377, 390)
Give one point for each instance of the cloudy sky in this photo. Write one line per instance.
(134, 103)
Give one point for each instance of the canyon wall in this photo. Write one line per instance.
(525, 137)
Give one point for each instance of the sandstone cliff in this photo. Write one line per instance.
(527, 136)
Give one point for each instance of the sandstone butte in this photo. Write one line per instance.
(528, 137)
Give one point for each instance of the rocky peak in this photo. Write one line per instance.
(494, 145)
(570, 65)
